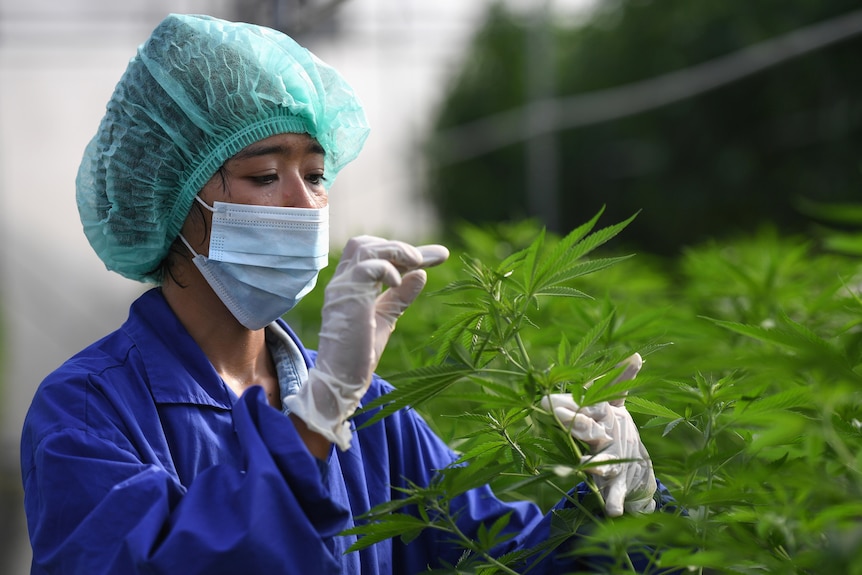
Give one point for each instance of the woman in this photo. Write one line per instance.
(198, 437)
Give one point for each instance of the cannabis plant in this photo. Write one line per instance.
(493, 363)
(748, 401)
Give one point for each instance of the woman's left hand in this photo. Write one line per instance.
(619, 461)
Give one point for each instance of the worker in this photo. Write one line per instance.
(202, 437)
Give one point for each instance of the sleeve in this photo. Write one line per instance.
(94, 508)
(423, 454)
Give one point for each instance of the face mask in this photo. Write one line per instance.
(262, 259)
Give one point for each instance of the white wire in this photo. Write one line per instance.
(549, 115)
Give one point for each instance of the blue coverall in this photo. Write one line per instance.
(137, 458)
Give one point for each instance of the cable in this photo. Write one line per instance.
(487, 134)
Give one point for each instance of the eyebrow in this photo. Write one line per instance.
(255, 150)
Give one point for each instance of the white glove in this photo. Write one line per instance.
(608, 429)
(356, 324)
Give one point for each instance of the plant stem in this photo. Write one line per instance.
(452, 527)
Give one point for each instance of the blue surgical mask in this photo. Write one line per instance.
(263, 259)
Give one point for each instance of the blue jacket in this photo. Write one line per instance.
(137, 458)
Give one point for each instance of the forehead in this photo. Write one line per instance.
(281, 144)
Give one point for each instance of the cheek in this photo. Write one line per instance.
(321, 200)
(243, 192)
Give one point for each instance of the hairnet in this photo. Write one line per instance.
(199, 90)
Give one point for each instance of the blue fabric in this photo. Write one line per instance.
(137, 458)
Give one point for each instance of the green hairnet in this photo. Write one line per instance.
(198, 91)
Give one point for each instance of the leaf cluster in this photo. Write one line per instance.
(748, 401)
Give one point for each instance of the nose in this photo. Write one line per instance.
(298, 193)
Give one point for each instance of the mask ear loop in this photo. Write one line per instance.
(182, 237)
(186, 243)
(204, 204)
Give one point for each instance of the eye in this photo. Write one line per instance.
(316, 179)
(264, 180)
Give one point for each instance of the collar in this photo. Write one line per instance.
(290, 364)
(178, 371)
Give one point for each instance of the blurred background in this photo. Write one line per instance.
(711, 118)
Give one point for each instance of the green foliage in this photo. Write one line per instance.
(749, 399)
(484, 359)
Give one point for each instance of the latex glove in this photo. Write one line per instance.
(356, 324)
(608, 429)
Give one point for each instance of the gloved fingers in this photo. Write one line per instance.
(582, 427)
(641, 500)
(562, 406)
(433, 255)
(392, 303)
(633, 364)
(590, 431)
(357, 242)
(374, 271)
(640, 505)
(412, 284)
(560, 400)
(349, 255)
(361, 248)
(598, 411)
(614, 492)
(401, 254)
(604, 470)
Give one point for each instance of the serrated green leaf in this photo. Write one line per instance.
(566, 257)
(563, 251)
(529, 254)
(424, 384)
(568, 273)
(458, 286)
(562, 291)
(767, 335)
(780, 401)
(564, 350)
(386, 528)
(493, 536)
(589, 339)
(637, 404)
(486, 449)
(671, 425)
